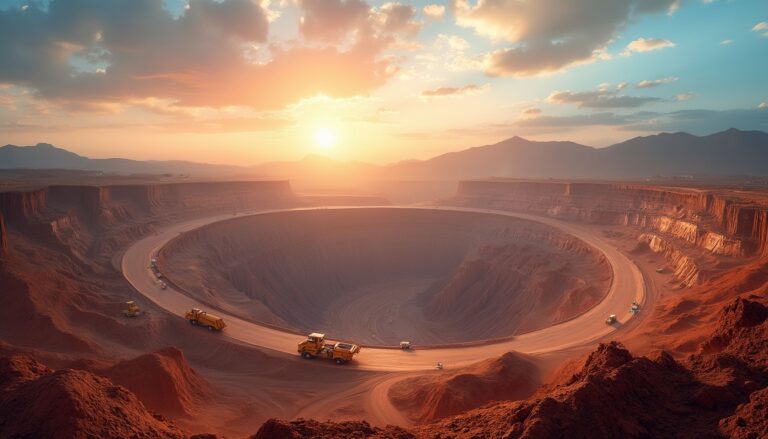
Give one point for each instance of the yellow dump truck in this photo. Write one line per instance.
(315, 346)
(203, 318)
(131, 309)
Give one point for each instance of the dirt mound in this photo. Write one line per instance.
(37, 402)
(429, 397)
(163, 381)
(614, 395)
(381, 275)
(736, 323)
(750, 420)
(303, 428)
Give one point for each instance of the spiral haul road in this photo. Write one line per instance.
(627, 286)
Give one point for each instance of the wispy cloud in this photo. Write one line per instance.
(649, 83)
(434, 12)
(761, 28)
(601, 98)
(454, 91)
(647, 45)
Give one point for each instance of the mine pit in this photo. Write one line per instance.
(382, 275)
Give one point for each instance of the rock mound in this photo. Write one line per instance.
(431, 397)
(38, 402)
(613, 395)
(303, 428)
(163, 381)
(741, 330)
(750, 420)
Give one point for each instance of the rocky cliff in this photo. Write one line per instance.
(725, 223)
(688, 226)
(94, 220)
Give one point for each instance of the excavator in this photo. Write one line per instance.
(315, 346)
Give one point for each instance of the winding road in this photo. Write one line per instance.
(589, 327)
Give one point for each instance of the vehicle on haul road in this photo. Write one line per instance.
(315, 346)
(611, 319)
(202, 318)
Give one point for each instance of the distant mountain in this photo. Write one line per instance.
(731, 152)
(728, 153)
(514, 157)
(46, 156)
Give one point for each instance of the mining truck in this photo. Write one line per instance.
(315, 346)
(611, 319)
(204, 319)
(131, 309)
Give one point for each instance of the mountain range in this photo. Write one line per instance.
(728, 153)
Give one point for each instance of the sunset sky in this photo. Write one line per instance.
(244, 82)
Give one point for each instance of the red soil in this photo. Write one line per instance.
(163, 381)
(614, 394)
(38, 402)
(430, 397)
(303, 428)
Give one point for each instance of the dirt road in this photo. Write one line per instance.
(627, 285)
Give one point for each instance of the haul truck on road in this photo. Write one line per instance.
(315, 346)
(202, 318)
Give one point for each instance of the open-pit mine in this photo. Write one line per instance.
(509, 307)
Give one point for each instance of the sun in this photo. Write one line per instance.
(325, 138)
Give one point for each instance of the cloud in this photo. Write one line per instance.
(601, 98)
(92, 55)
(434, 12)
(684, 97)
(547, 36)
(655, 82)
(726, 42)
(397, 19)
(761, 28)
(453, 49)
(647, 45)
(331, 20)
(454, 91)
(530, 113)
(763, 105)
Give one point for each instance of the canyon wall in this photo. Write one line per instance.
(733, 224)
(690, 227)
(94, 220)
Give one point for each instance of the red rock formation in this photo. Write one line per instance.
(750, 420)
(720, 391)
(163, 381)
(38, 402)
(430, 397)
(303, 428)
(736, 217)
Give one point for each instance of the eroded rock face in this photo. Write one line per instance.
(427, 398)
(38, 402)
(718, 221)
(304, 428)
